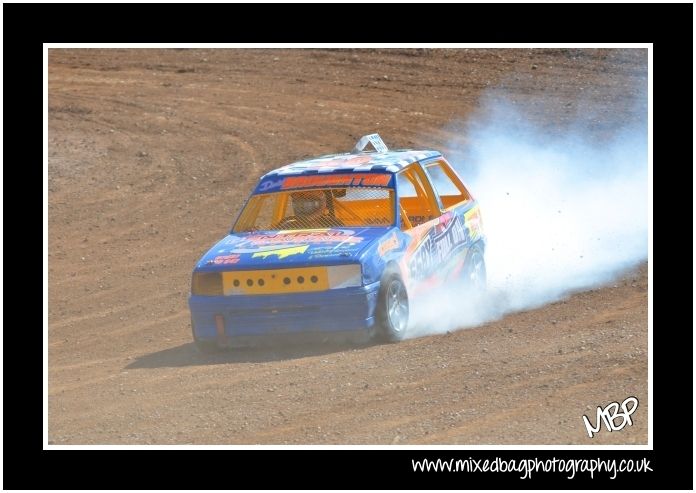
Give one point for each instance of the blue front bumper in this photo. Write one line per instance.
(296, 316)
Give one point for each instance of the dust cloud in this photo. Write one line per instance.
(564, 209)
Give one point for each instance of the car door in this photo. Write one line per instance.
(459, 226)
(420, 214)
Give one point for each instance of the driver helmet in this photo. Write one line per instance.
(308, 203)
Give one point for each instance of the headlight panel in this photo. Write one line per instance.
(344, 276)
(207, 284)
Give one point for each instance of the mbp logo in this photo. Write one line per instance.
(610, 414)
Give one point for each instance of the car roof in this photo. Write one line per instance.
(389, 162)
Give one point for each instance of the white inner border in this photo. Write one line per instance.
(47, 46)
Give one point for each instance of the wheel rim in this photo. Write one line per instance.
(477, 271)
(397, 306)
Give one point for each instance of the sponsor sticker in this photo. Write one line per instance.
(281, 253)
(389, 244)
(226, 259)
(338, 180)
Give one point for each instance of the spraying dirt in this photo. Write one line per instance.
(151, 155)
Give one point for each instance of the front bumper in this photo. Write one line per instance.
(240, 320)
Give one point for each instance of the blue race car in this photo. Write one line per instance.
(334, 247)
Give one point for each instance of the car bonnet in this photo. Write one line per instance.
(290, 248)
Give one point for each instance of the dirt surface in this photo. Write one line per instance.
(151, 154)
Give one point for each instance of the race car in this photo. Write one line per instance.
(335, 247)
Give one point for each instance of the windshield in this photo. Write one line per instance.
(318, 208)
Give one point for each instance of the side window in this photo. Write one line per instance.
(416, 203)
(405, 186)
(447, 184)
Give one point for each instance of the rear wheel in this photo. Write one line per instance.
(392, 309)
(474, 272)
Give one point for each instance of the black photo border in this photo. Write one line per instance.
(28, 26)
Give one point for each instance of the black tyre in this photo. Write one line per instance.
(392, 309)
(474, 271)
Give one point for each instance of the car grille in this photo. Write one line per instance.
(276, 281)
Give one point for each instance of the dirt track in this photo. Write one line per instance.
(151, 153)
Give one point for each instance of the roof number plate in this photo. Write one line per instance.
(373, 139)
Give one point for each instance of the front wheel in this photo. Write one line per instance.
(392, 309)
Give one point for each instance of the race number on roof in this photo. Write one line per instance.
(374, 139)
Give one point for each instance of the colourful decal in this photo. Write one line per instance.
(472, 219)
(389, 244)
(394, 160)
(340, 250)
(342, 162)
(281, 252)
(435, 248)
(226, 259)
(305, 236)
(443, 222)
(269, 185)
(342, 180)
